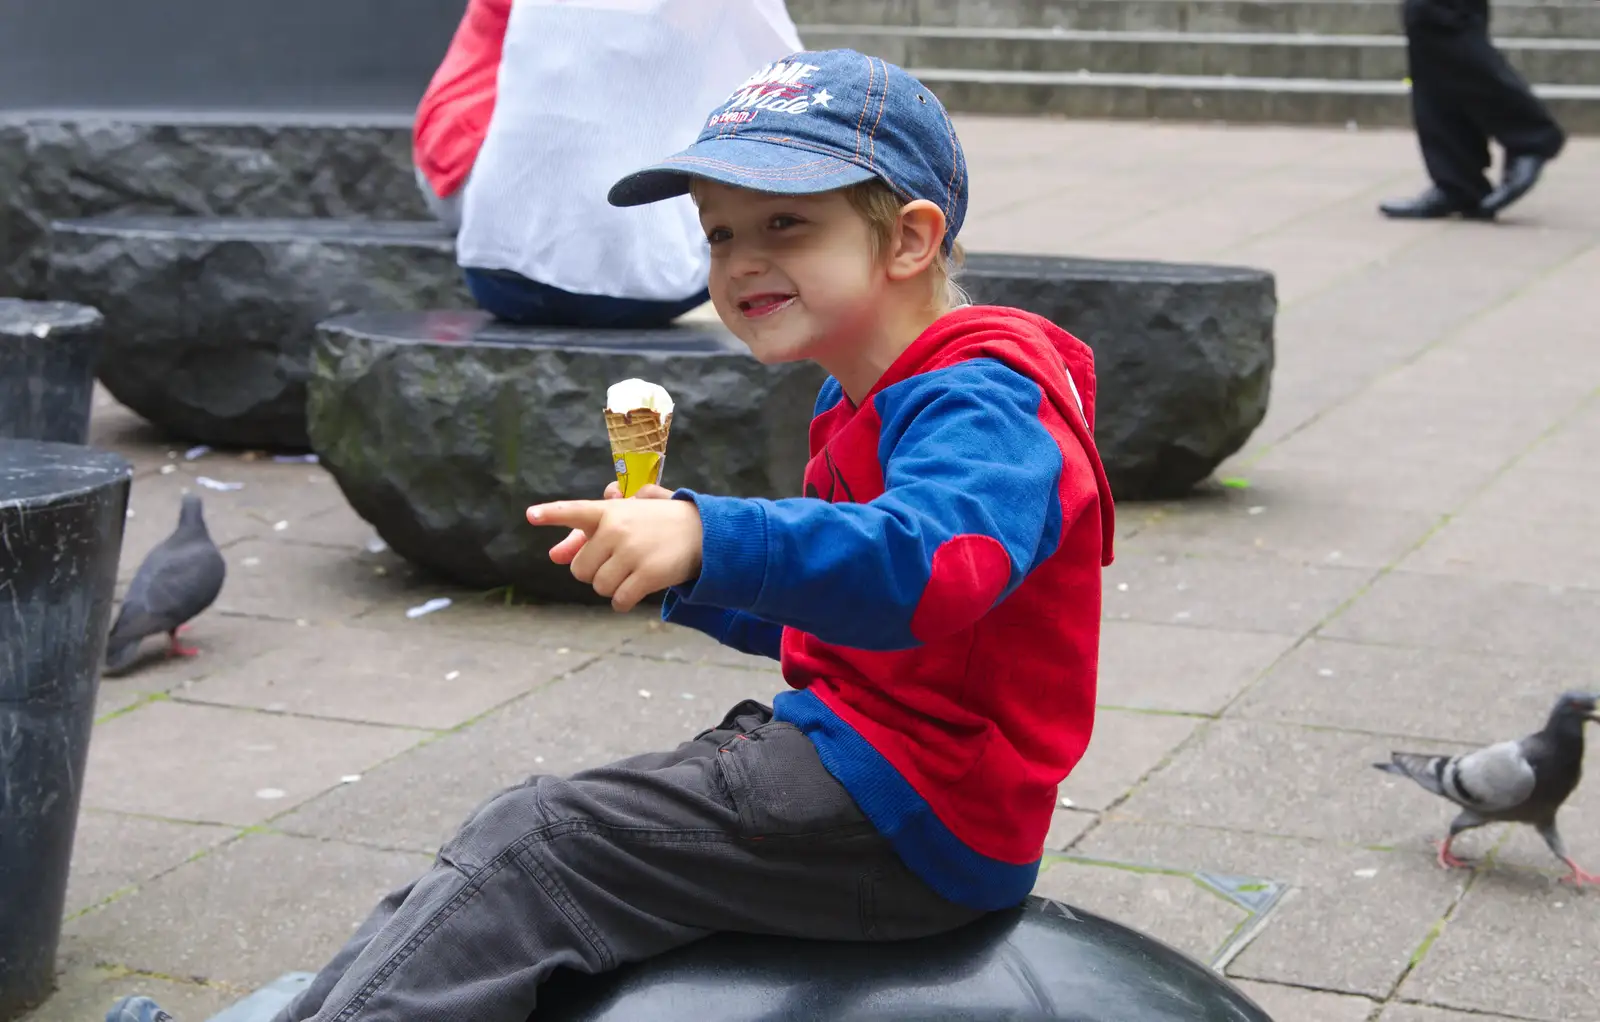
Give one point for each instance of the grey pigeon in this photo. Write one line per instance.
(179, 578)
(1523, 781)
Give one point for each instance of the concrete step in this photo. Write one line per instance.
(1211, 98)
(1544, 19)
(1243, 55)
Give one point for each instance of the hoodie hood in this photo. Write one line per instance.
(1058, 362)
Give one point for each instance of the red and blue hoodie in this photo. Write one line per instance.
(934, 598)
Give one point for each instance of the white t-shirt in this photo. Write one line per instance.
(590, 91)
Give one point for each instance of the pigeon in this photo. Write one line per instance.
(179, 578)
(1522, 781)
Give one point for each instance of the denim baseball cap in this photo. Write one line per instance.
(816, 121)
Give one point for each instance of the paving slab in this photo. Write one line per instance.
(1400, 896)
(662, 641)
(492, 617)
(1529, 493)
(1401, 1012)
(1287, 780)
(1405, 690)
(1475, 615)
(1295, 1004)
(1484, 546)
(295, 582)
(592, 717)
(1180, 669)
(86, 991)
(1126, 746)
(1285, 519)
(399, 678)
(1254, 595)
(1389, 483)
(225, 643)
(1570, 448)
(1515, 947)
(238, 914)
(1175, 909)
(240, 767)
(271, 493)
(114, 852)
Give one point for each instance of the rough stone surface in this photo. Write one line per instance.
(47, 356)
(212, 320)
(59, 168)
(1183, 355)
(441, 428)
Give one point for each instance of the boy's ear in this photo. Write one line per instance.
(918, 233)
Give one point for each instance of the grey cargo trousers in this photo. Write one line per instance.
(740, 829)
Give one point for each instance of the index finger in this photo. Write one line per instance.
(583, 515)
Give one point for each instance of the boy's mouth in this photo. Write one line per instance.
(755, 306)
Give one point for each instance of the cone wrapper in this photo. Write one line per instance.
(638, 446)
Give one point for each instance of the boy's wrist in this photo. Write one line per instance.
(733, 551)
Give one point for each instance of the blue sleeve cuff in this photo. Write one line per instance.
(701, 617)
(734, 629)
(733, 551)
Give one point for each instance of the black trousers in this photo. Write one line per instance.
(1464, 92)
(741, 829)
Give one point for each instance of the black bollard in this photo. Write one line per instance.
(47, 361)
(62, 509)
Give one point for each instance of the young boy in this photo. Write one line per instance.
(934, 598)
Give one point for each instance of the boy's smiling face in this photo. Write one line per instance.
(793, 276)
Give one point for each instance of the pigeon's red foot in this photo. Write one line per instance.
(178, 649)
(1447, 859)
(1578, 877)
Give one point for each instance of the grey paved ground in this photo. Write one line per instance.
(1412, 563)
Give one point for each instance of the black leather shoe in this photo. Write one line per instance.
(1432, 204)
(1521, 174)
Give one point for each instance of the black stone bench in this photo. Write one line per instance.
(210, 321)
(47, 360)
(209, 163)
(62, 509)
(1042, 962)
(442, 427)
(1183, 355)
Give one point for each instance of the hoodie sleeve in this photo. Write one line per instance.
(734, 629)
(971, 502)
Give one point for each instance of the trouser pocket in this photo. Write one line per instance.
(779, 787)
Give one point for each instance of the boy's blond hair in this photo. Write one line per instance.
(880, 207)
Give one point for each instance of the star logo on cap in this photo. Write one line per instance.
(821, 98)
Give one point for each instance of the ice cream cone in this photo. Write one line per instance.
(638, 421)
(638, 446)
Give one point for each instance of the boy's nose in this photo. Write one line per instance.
(747, 261)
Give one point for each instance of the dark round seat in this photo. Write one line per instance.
(47, 360)
(1041, 961)
(62, 509)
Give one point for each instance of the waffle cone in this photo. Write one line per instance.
(638, 446)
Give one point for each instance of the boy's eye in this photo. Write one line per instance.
(717, 234)
(783, 220)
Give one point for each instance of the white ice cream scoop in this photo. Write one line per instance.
(629, 395)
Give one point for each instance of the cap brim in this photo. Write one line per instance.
(743, 163)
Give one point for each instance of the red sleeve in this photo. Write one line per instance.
(454, 113)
